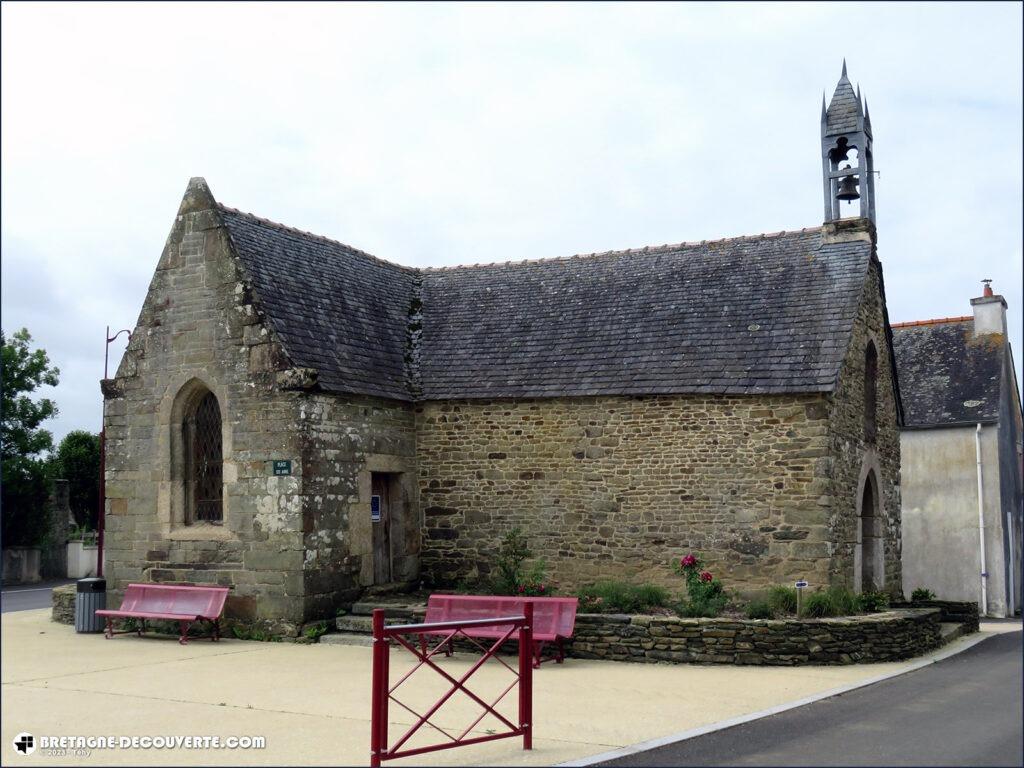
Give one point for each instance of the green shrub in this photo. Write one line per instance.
(705, 594)
(834, 601)
(709, 608)
(512, 577)
(760, 609)
(873, 601)
(317, 630)
(818, 605)
(921, 595)
(620, 597)
(846, 602)
(782, 599)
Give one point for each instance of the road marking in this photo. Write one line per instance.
(19, 591)
(721, 725)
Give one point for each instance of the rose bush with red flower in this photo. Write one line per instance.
(706, 594)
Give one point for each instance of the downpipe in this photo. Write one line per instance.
(1011, 603)
(981, 524)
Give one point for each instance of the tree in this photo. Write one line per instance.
(22, 440)
(77, 460)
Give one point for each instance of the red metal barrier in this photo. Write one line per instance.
(384, 693)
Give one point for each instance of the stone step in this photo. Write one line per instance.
(346, 638)
(950, 631)
(359, 624)
(364, 624)
(393, 588)
(396, 610)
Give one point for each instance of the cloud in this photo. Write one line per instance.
(463, 133)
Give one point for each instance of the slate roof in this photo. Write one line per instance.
(947, 375)
(334, 308)
(765, 314)
(755, 315)
(844, 109)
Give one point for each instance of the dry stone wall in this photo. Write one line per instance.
(889, 636)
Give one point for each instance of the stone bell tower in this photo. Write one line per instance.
(847, 164)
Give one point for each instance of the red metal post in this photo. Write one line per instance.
(526, 676)
(379, 702)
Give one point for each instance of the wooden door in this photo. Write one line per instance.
(380, 519)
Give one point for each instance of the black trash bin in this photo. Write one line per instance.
(91, 596)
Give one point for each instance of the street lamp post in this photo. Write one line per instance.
(101, 520)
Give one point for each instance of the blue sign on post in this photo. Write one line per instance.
(801, 584)
(375, 509)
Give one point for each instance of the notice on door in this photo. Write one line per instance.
(375, 509)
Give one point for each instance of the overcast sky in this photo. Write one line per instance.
(448, 134)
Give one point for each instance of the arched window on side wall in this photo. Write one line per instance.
(203, 461)
(870, 392)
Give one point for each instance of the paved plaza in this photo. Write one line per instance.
(312, 702)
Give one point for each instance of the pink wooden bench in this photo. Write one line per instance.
(172, 602)
(553, 618)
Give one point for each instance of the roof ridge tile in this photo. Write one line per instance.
(664, 248)
(936, 321)
(314, 235)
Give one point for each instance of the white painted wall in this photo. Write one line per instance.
(939, 487)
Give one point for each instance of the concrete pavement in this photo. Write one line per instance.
(311, 702)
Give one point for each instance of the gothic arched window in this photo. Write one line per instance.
(204, 461)
(870, 392)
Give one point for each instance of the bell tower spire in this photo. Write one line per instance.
(846, 128)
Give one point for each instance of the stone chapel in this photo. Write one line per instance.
(299, 420)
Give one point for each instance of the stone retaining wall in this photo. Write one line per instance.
(63, 611)
(954, 611)
(895, 634)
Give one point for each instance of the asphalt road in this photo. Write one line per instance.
(28, 597)
(965, 710)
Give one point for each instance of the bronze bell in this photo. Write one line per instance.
(848, 188)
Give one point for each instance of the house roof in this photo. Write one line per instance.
(947, 375)
(763, 314)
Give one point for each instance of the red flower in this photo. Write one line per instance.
(706, 576)
(522, 588)
(688, 562)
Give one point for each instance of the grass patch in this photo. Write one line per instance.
(760, 609)
(834, 601)
(782, 599)
(620, 597)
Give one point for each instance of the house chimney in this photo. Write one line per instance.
(989, 312)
